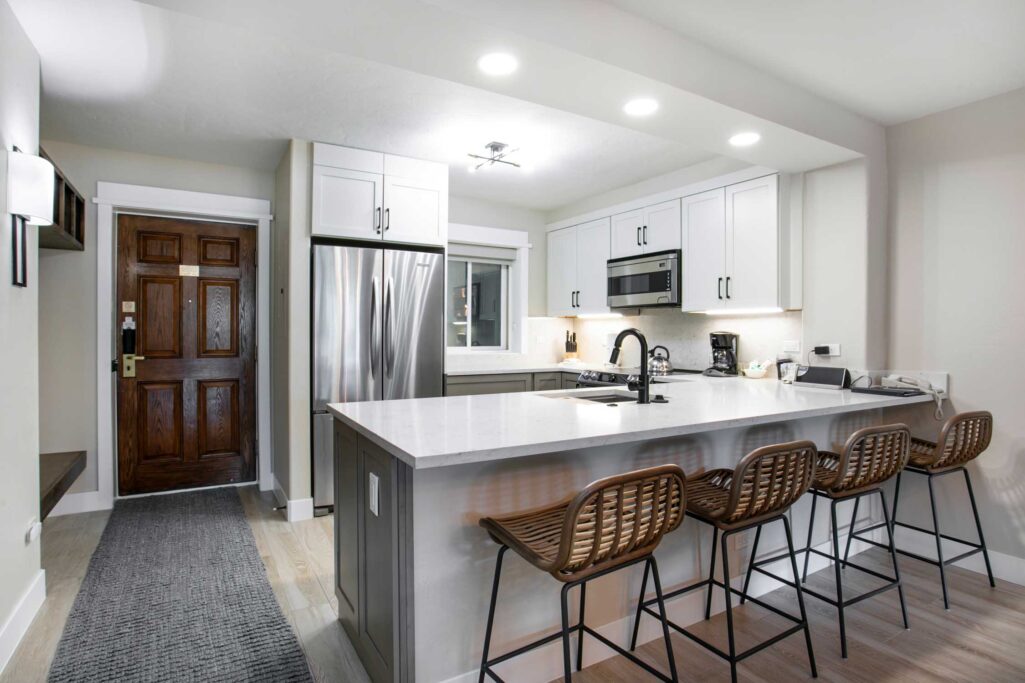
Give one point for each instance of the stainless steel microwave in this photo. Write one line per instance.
(648, 280)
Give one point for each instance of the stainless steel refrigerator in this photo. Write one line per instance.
(377, 333)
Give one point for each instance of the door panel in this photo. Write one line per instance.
(347, 305)
(347, 203)
(663, 227)
(413, 211)
(626, 234)
(188, 417)
(413, 317)
(752, 243)
(592, 266)
(704, 251)
(562, 271)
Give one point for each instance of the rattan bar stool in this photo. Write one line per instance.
(869, 458)
(612, 524)
(758, 492)
(962, 438)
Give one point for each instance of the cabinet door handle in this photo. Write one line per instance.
(377, 220)
(387, 219)
(638, 235)
(720, 288)
(573, 299)
(645, 233)
(727, 286)
(577, 299)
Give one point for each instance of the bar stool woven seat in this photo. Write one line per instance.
(869, 458)
(962, 438)
(759, 491)
(612, 524)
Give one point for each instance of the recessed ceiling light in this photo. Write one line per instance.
(642, 106)
(497, 64)
(745, 139)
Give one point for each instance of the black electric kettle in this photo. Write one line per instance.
(659, 365)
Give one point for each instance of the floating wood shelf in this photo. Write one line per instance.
(57, 472)
(68, 229)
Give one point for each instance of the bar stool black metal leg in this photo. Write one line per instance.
(663, 618)
(839, 582)
(896, 499)
(729, 609)
(491, 613)
(711, 574)
(893, 558)
(939, 543)
(751, 564)
(640, 606)
(807, 546)
(800, 598)
(850, 532)
(565, 632)
(978, 527)
(580, 633)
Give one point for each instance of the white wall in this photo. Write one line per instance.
(957, 223)
(19, 375)
(67, 292)
(492, 215)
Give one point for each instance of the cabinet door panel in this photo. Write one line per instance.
(592, 266)
(414, 211)
(704, 250)
(562, 271)
(626, 234)
(752, 236)
(346, 203)
(661, 227)
(475, 385)
(547, 381)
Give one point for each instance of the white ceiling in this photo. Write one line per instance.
(132, 76)
(890, 60)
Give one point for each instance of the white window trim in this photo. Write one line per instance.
(518, 278)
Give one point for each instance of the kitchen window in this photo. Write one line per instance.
(477, 303)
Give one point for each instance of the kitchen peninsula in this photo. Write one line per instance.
(414, 476)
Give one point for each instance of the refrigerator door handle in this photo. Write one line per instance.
(375, 343)
(389, 326)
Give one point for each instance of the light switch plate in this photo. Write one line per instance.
(374, 494)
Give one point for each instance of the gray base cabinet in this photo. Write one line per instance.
(373, 555)
(508, 383)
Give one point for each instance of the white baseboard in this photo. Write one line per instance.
(296, 510)
(13, 630)
(86, 501)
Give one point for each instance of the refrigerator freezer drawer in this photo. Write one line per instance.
(323, 460)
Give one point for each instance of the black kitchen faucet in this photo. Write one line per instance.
(642, 389)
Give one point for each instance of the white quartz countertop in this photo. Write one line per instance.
(454, 430)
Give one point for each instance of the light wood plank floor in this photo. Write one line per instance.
(979, 639)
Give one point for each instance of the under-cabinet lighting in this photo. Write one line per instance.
(599, 316)
(744, 311)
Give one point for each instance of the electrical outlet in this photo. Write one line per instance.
(374, 494)
(832, 350)
(539, 339)
(791, 346)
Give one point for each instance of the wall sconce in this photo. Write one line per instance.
(30, 182)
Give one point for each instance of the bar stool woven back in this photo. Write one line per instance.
(765, 482)
(963, 438)
(871, 456)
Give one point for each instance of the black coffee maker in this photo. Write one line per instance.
(724, 355)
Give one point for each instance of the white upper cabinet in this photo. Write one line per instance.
(752, 244)
(731, 247)
(648, 230)
(704, 250)
(368, 195)
(577, 258)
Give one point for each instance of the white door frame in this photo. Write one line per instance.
(114, 198)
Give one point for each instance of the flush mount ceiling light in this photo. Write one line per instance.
(642, 106)
(498, 64)
(745, 139)
(497, 154)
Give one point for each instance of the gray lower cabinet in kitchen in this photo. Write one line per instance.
(507, 383)
(547, 381)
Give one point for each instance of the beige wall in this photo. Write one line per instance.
(67, 293)
(489, 214)
(19, 373)
(957, 223)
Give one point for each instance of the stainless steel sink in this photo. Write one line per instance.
(606, 397)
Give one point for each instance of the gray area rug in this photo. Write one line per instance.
(176, 591)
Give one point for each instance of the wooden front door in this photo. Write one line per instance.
(188, 416)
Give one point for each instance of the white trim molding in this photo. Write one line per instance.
(296, 510)
(17, 623)
(113, 198)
